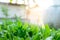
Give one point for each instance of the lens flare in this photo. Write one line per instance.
(37, 10)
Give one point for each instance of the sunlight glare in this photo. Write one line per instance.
(37, 13)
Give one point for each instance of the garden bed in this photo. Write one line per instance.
(19, 30)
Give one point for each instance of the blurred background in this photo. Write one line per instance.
(33, 11)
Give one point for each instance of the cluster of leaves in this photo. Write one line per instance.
(19, 30)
